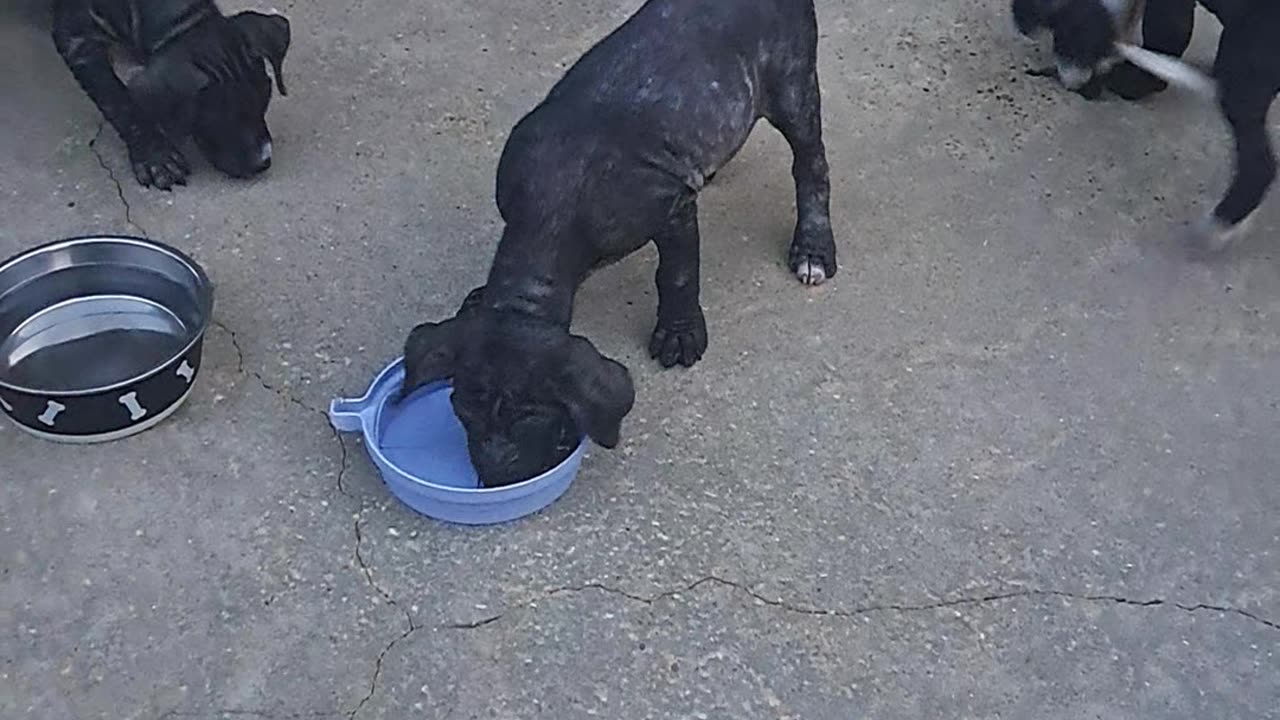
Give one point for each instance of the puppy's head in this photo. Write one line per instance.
(212, 84)
(1084, 34)
(524, 392)
(1031, 17)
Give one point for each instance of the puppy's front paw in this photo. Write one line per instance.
(1091, 90)
(1212, 235)
(157, 163)
(680, 341)
(813, 258)
(1132, 82)
(1077, 81)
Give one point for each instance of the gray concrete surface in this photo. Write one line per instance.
(1019, 460)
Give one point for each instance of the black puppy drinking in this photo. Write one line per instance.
(203, 76)
(614, 157)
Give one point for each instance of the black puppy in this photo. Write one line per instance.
(614, 157)
(1246, 80)
(203, 75)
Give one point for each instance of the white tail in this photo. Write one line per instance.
(1170, 69)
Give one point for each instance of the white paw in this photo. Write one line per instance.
(1073, 77)
(811, 273)
(1214, 235)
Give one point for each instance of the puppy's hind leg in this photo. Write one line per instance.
(1255, 171)
(1246, 90)
(796, 111)
(681, 333)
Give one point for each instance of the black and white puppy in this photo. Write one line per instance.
(613, 158)
(203, 75)
(1084, 34)
(1244, 82)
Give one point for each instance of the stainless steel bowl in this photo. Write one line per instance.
(100, 337)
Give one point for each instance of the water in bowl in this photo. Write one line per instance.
(91, 342)
(421, 436)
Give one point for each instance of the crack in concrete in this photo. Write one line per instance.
(368, 574)
(857, 612)
(237, 712)
(266, 384)
(235, 344)
(805, 610)
(410, 625)
(649, 600)
(366, 570)
(488, 620)
(1274, 625)
(102, 162)
(281, 392)
(342, 467)
(377, 671)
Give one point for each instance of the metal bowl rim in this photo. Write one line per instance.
(204, 292)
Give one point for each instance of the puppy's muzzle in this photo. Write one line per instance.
(264, 157)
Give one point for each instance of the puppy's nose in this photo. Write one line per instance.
(264, 157)
(1073, 77)
(501, 454)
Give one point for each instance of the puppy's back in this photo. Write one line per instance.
(671, 47)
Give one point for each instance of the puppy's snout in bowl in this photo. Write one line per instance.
(427, 458)
(498, 454)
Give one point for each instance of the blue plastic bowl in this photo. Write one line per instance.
(420, 449)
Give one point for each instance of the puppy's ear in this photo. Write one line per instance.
(164, 86)
(430, 354)
(472, 300)
(596, 390)
(1028, 16)
(268, 37)
(1032, 16)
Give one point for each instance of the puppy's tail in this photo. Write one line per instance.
(1170, 69)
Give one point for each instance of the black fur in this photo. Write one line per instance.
(203, 76)
(614, 157)
(1083, 32)
(1247, 71)
(1084, 36)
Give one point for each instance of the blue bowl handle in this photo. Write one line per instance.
(352, 415)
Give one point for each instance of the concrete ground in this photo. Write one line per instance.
(1018, 460)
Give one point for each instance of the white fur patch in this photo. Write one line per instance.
(1073, 77)
(1212, 234)
(1170, 69)
(811, 273)
(1117, 8)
